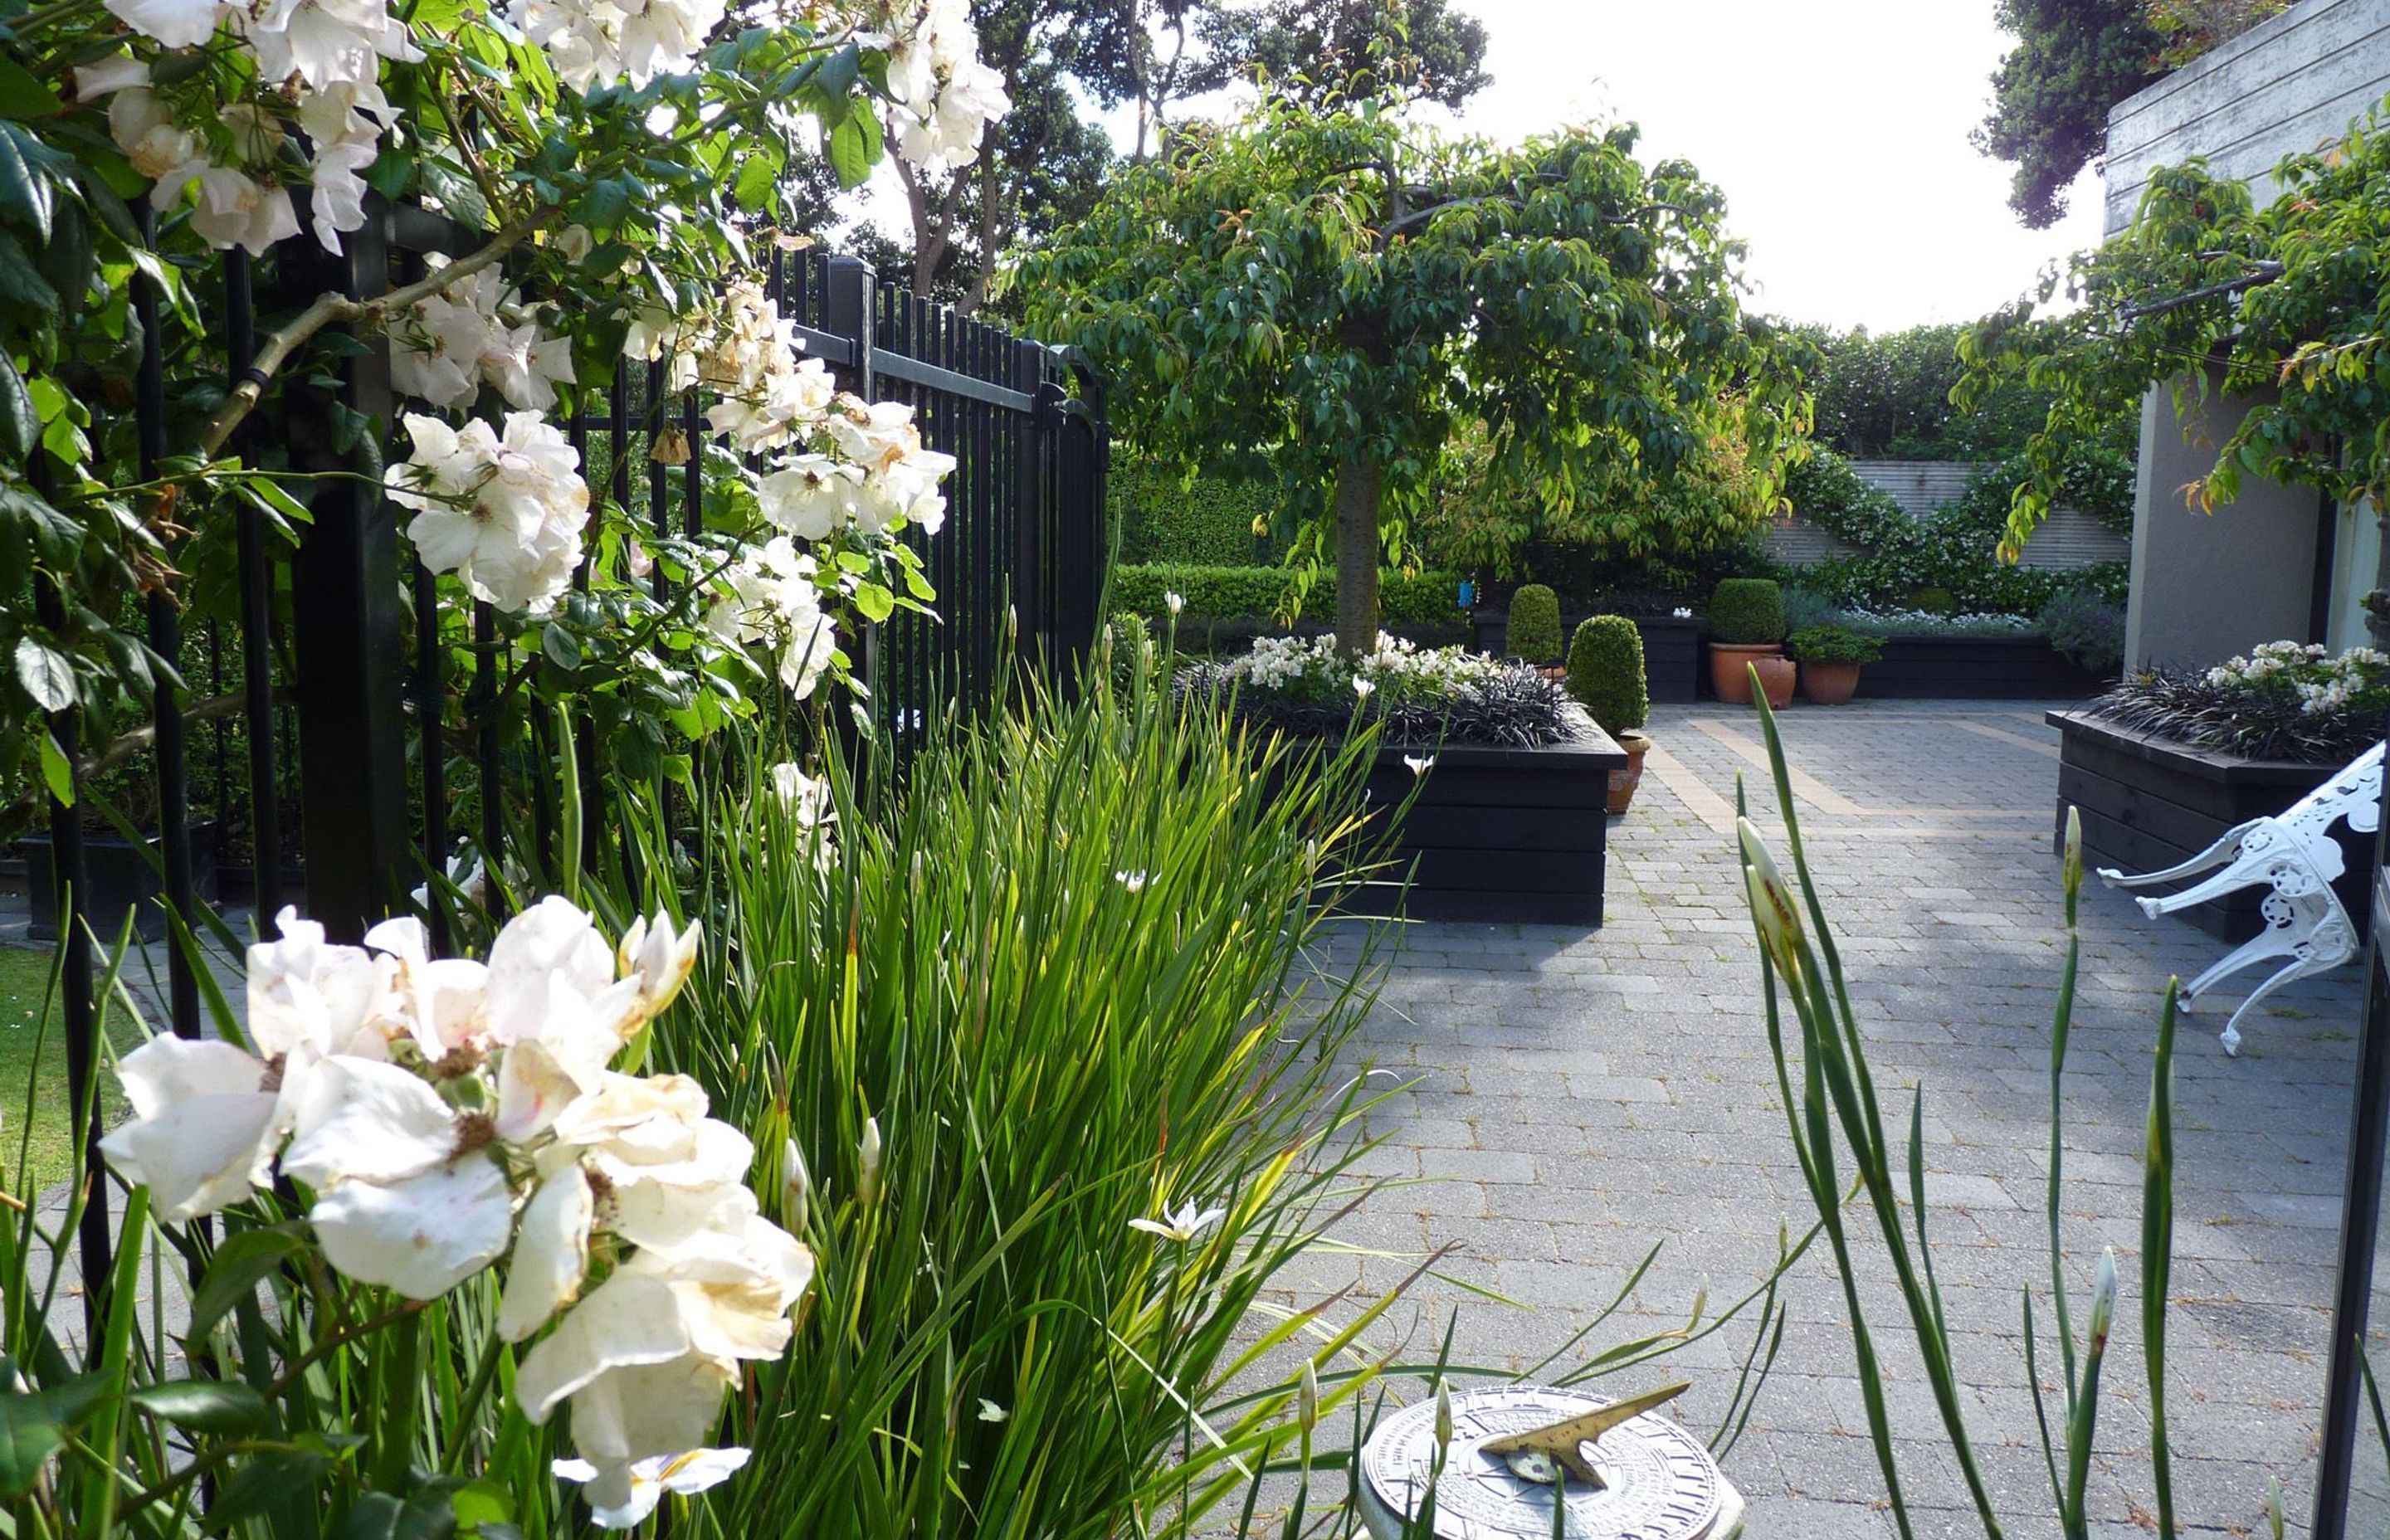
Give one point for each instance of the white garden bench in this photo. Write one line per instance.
(2294, 854)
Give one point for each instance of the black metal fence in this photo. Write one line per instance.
(325, 741)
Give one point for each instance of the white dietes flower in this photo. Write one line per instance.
(1182, 1224)
(684, 1474)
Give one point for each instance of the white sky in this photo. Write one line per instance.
(1836, 128)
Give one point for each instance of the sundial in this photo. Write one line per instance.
(1517, 1449)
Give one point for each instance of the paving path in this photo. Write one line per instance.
(1579, 1096)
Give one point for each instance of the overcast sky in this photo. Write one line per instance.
(1837, 129)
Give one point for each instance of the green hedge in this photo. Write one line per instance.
(1534, 631)
(1261, 593)
(1605, 673)
(1746, 611)
(1161, 518)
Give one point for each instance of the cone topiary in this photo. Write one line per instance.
(1536, 624)
(1746, 611)
(1605, 673)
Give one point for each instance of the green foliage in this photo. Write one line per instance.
(1478, 518)
(1315, 299)
(2191, 27)
(2088, 627)
(1832, 644)
(1606, 675)
(1933, 599)
(1319, 53)
(1887, 396)
(1535, 630)
(2073, 59)
(1955, 552)
(1049, 1052)
(1745, 610)
(1164, 516)
(1279, 593)
(2290, 299)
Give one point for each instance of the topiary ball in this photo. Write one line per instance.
(1746, 611)
(1536, 624)
(1606, 674)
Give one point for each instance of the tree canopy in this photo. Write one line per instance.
(1313, 50)
(2289, 304)
(2073, 59)
(1316, 300)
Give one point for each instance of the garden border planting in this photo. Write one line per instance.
(1673, 651)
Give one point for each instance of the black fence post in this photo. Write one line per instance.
(849, 306)
(346, 588)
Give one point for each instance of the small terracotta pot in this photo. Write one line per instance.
(1777, 677)
(1829, 684)
(1730, 668)
(1624, 780)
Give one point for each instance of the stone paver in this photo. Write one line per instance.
(1577, 1097)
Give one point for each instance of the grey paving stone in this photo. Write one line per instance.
(1579, 1096)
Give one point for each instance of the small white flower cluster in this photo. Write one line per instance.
(1404, 668)
(772, 598)
(2321, 682)
(1893, 622)
(502, 511)
(590, 41)
(944, 97)
(443, 1113)
(475, 333)
(331, 49)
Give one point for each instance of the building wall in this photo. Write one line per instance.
(2285, 86)
(2208, 585)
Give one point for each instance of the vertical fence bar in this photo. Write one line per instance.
(487, 665)
(849, 307)
(346, 593)
(69, 884)
(166, 640)
(256, 623)
(1030, 590)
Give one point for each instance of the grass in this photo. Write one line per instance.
(36, 1134)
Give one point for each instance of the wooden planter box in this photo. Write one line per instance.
(1672, 649)
(2149, 803)
(1964, 668)
(1513, 836)
(1973, 668)
(121, 879)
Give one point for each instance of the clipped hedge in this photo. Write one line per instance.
(1605, 673)
(1534, 625)
(1162, 518)
(1264, 592)
(1746, 611)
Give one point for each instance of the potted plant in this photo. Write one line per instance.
(121, 877)
(1534, 635)
(1746, 625)
(1605, 675)
(1830, 658)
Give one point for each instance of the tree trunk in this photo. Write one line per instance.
(1356, 558)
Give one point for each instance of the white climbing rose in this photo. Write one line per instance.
(503, 513)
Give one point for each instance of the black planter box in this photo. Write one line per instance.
(1513, 836)
(120, 879)
(2149, 803)
(1672, 648)
(1973, 668)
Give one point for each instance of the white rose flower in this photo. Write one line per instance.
(325, 42)
(174, 24)
(505, 514)
(811, 496)
(201, 1110)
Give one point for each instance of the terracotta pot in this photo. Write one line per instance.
(1775, 676)
(1624, 780)
(1829, 684)
(1730, 668)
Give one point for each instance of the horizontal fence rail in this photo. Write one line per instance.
(322, 751)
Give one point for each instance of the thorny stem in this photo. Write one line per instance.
(328, 309)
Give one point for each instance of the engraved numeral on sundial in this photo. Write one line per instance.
(1563, 1442)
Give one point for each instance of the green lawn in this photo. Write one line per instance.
(48, 1159)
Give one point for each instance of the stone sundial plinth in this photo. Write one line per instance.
(1628, 1475)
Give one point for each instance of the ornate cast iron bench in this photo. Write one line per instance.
(2294, 854)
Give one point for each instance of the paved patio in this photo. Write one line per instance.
(1579, 1096)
